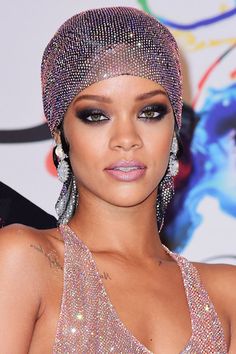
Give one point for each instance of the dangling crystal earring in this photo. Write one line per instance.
(166, 187)
(173, 162)
(63, 168)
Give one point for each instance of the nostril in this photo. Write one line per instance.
(125, 139)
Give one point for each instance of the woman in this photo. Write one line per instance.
(102, 282)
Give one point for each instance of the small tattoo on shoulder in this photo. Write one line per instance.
(105, 275)
(51, 256)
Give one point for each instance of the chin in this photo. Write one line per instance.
(121, 195)
(127, 199)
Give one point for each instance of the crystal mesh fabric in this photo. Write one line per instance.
(89, 324)
(101, 43)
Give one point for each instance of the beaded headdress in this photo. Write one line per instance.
(98, 44)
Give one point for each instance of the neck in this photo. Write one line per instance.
(129, 231)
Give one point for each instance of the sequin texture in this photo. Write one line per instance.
(101, 43)
(89, 324)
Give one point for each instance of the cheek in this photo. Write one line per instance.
(159, 146)
(85, 151)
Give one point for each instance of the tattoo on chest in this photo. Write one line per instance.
(105, 275)
(51, 256)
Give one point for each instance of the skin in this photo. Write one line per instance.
(117, 221)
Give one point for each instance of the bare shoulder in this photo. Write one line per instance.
(15, 240)
(17, 235)
(29, 257)
(19, 244)
(18, 232)
(220, 282)
(221, 277)
(25, 277)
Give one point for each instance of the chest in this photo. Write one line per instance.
(106, 306)
(136, 305)
(150, 303)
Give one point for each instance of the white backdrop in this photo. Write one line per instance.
(27, 26)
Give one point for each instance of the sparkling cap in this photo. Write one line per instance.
(101, 43)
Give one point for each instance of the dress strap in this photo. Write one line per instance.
(206, 326)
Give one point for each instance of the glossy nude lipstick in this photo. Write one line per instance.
(126, 171)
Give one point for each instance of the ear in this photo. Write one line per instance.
(57, 136)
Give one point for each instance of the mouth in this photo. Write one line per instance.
(127, 171)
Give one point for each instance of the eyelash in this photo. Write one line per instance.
(86, 115)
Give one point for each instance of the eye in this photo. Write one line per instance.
(96, 117)
(91, 116)
(154, 112)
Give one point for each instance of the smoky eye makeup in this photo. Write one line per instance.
(151, 112)
(91, 115)
(154, 112)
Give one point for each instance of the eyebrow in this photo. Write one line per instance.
(150, 94)
(108, 100)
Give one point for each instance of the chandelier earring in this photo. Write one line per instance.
(173, 162)
(63, 168)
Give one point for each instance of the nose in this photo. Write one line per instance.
(125, 135)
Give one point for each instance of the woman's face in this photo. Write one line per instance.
(119, 131)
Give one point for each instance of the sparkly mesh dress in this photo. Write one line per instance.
(89, 324)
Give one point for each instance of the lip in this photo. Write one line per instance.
(136, 171)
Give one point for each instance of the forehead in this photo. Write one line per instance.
(123, 85)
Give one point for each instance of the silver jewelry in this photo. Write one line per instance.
(67, 201)
(63, 168)
(173, 162)
(165, 193)
(166, 187)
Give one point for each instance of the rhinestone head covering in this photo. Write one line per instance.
(98, 44)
